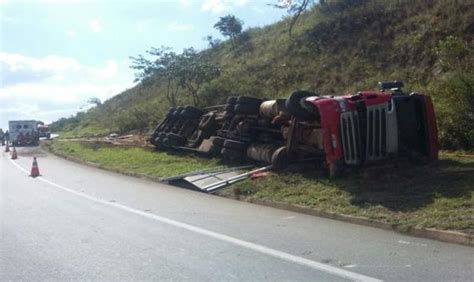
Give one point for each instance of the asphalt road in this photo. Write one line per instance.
(80, 223)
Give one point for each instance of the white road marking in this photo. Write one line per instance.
(377, 266)
(412, 243)
(222, 237)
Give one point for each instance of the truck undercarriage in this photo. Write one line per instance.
(339, 131)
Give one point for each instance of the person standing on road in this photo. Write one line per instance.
(2, 137)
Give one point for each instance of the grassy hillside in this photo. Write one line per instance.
(343, 46)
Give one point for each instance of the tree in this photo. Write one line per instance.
(193, 71)
(94, 101)
(163, 66)
(295, 8)
(188, 71)
(213, 43)
(230, 26)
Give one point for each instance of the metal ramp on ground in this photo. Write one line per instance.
(210, 181)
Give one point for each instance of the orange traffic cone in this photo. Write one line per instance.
(35, 169)
(7, 149)
(14, 154)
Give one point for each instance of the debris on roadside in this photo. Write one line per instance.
(112, 136)
(212, 180)
(130, 139)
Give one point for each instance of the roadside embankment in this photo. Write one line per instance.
(433, 201)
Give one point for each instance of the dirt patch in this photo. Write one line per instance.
(120, 140)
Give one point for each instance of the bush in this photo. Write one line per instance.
(451, 52)
(454, 101)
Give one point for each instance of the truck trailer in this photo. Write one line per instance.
(337, 131)
(23, 132)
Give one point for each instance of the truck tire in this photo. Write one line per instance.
(280, 158)
(247, 109)
(171, 143)
(229, 108)
(294, 104)
(157, 141)
(248, 100)
(218, 141)
(173, 139)
(231, 154)
(170, 112)
(191, 113)
(231, 100)
(215, 150)
(177, 112)
(235, 145)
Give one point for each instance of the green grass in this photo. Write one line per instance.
(432, 196)
(429, 196)
(133, 159)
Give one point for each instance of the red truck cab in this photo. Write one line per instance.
(373, 125)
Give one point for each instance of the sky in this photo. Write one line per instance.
(57, 54)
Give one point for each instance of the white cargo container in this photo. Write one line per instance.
(23, 132)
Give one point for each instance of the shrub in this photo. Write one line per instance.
(454, 101)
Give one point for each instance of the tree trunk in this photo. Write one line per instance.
(169, 94)
(195, 98)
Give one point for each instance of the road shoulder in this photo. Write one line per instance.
(430, 233)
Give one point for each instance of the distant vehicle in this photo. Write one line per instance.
(43, 131)
(23, 132)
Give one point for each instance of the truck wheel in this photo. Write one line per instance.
(280, 159)
(174, 136)
(177, 112)
(173, 139)
(231, 100)
(231, 154)
(294, 105)
(158, 142)
(170, 111)
(235, 145)
(229, 108)
(247, 109)
(191, 112)
(171, 143)
(248, 100)
(216, 140)
(215, 150)
(161, 134)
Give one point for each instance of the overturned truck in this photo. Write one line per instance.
(337, 131)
